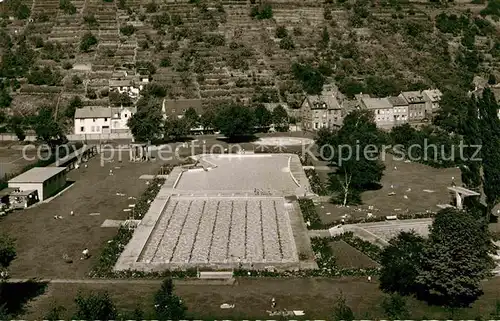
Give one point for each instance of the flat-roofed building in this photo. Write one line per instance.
(45, 180)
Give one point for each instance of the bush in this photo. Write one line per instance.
(262, 12)
(88, 40)
(67, 7)
(281, 32)
(127, 30)
(310, 214)
(165, 62)
(316, 185)
(95, 306)
(287, 43)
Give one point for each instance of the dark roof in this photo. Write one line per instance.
(180, 104)
(397, 101)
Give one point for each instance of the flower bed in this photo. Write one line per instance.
(143, 203)
(310, 215)
(326, 261)
(316, 185)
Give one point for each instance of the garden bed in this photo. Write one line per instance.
(316, 185)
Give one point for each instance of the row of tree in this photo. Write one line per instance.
(445, 269)
(233, 120)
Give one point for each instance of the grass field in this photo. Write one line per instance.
(13, 158)
(41, 240)
(410, 179)
(252, 298)
(348, 257)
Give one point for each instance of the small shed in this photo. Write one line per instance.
(46, 180)
(4, 195)
(23, 199)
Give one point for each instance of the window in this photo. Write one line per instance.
(105, 118)
(93, 119)
(125, 115)
(82, 129)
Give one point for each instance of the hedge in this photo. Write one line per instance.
(316, 185)
(310, 214)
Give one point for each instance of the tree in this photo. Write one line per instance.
(455, 259)
(120, 99)
(358, 165)
(490, 133)
(234, 120)
(7, 251)
(127, 30)
(263, 117)
(280, 118)
(207, 119)
(400, 263)
(74, 103)
(395, 307)
(312, 80)
(18, 130)
(88, 40)
(176, 128)
(146, 124)
(192, 117)
(167, 305)
(341, 310)
(452, 110)
(492, 80)
(95, 306)
(471, 133)
(47, 129)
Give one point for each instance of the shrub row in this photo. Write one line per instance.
(310, 214)
(143, 203)
(316, 185)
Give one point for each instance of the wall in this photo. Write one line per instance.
(91, 125)
(73, 137)
(53, 185)
(30, 186)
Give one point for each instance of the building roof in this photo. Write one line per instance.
(118, 110)
(376, 103)
(434, 95)
(413, 96)
(93, 112)
(120, 83)
(169, 105)
(397, 101)
(37, 175)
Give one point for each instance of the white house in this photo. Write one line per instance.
(125, 86)
(102, 120)
(382, 110)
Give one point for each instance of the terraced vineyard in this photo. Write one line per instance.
(221, 231)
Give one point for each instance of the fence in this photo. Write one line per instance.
(73, 137)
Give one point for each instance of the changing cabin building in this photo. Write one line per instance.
(45, 180)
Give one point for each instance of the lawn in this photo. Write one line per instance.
(252, 298)
(348, 257)
(410, 179)
(41, 240)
